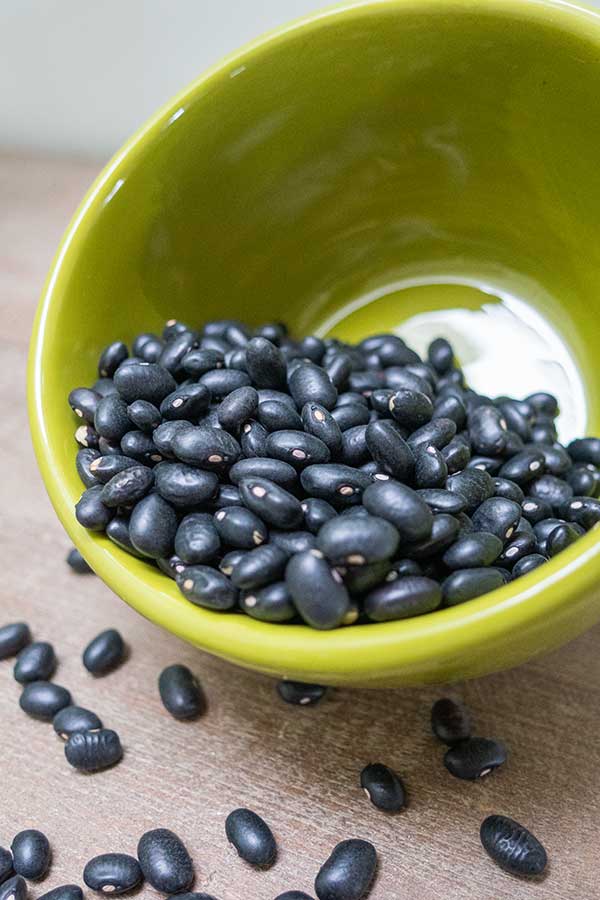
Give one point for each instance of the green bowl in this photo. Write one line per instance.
(423, 166)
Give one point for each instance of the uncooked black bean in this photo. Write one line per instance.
(487, 430)
(84, 402)
(318, 421)
(64, 892)
(293, 541)
(197, 539)
(404, 567)
(560, 538)
(457, 453)
(339, 369)
(519, 546)
(543, 403)
(141, 340)
(383, 787)
(165, 433)
(188, 402)
(402, 506)
(152, 526)
(534, 510)
(104, 387)
(298, 693)
(240, 528)
(349, 415)
(354, 451)
(504, 487)
(222, 382)
(183, 485)
(338, 484)
(444, 531)
(207, 587)
(297, 448)
(465, 584)
(437, 433)
(442, 501)
(348, 873)
(113, 873)
(553, 490)
(251, 837)
(36, 662)
(317, 513)
(440, 355)
(171, 566)
(175, 350)
(236, 359)
(585, 450)
(91, 512)
(43, 699)
(528, 564)
(103, 468)
(344, 544)
(389, 449)
(271, 603)
(450, 721)
(272, 503)
(430, 468)
(450, 407)
(198, 362)
(258, 567)
(181, 693)
(473, 550)
(276, 332)
(266, 363)
(309, 383)
(227, 495)
(293, 895)
(85, 457)
(398, 377)
(206, 447)
(141, 447)
(236, 408)
(111, 420)
(127, 487)
(14, 638)
(262, 467)
(584, 478)
(317, 590)
(217, 344)
(474, 758)
(73, 719)
(86, 436)
(403, 597)
(164, 860)
(266, 395)
(104, 653)
(118, 532)
(111, 358)
(14, 889)
(512, 846)
(410, 408)
(524, 467)
(144, 381)
(497, 516)
(31, 854)
(91, 751)
(274, 415)
(584, 511)
(253, 439)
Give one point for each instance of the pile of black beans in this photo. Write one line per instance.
(321, 481)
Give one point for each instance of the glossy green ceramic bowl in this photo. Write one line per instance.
(427, 166)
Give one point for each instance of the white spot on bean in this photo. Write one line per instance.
(177, 403)
(81, 435)
(79, 413)
(304, 506)
(512, 551)
(367, 793)
(257, 537)
(391, 576)
(485, 772)
(94, 464)
(356, 559)
(188, 584)
(503, 424)
(215, 458)
(345, 490)
(226, 570)
(171, 322)
(319, 415)
(316, 553)
(529, 507)
(380, 476)
(179, 568)
(304, 701)
(350, 617)
(156, 457)
(247, 428)
(336, 576)
(250, 601)
(221, 515)
(577, 504)
(510, 531)
(534, 466)
(431, 450)
(480, 466)
(259, 491)
(298, 454)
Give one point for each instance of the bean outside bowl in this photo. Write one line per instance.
(425, 166)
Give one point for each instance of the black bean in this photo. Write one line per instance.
(127, 487)
(430, 468)
(144, 381)
(84, 402)
(104, 387)
(309, 383)
(344, 544)
(450, 721)
(519, 546)
(165, 433)
(222, 382)
(349, 415)
(535, 510)
(181, 693)
(402, 597)
(227, 495)
(503, 487)
(266, 395)
(299, 693)
(111, 420)
(311, 347)
(512, 846)
(317, 513)
(175, 350)
(451, 408)
(239, 527)
(516, 420)
(164, 860)
(183, 485)
(111, 358)
(171, 566)
(253, 439)
(457, 453)
(141, 340)
(207, 587)
(293, 895)
(36, 662)
(262, 467)
(410, 408)
(73, 719)
(552, 490)
(584, 511)
(528, 564)
(341, 485)
(543, 433)
(64, 892)
(543, 403)
(560, 538)
(318, 421)
(118, 532)
(348, 873)
(487, 464)
(474, 758)
(86, 436)
(440, 355)
(442, 501)
(497, 516)
(339, 369)
(85, 457)
(104, 653)
(585, 450)
(14, 889)
(174, 329)
(258, 567)
(524, 467)
(487, 430)
(238, 406)
(402, 506)
(272, 503)
(152, 527)
(317, 590)
(197, 539)
(91, 751)
(398, 377)
(114, 873)
(405, 567)
(91, 512)
(266, 364)
(383, 787)
(354, 451)
(198, 362)
(472, 550)
(444, 531)
(13, 638)
(251, 837)
(274, 415)
(141, 447)
(31, 854)
(465, 584)
(216, 344)
(276, 332)
(297, 448)
(271, 603)
(584, 478)
(103, 468)
(206, 447)
(389, 449)
(188, 402)
(437, 433)
(43, 699)
(293, 541)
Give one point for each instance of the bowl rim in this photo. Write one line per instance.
(362, 650)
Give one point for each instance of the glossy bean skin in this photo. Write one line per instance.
(221, 382)
(410, 408)
(473, 550)
(91, 512)
(450, 722)
(339, 485)
(317, 513)
(535, 510)
(319, 422)
(431, 470)
(473, 485)
(528, 564)
(189, 402)
(487, 430)
(512, 846)
(261, 566)
(270, 502)
(240, 528)
(552, 490)
(350, 415)
(73, 719)
(271, 603)
(104, 653)
(182, 485)
(402, 597)
(144, 381)
(309, 383)
(293, 541)
(383, 787)
(91, 751)
(355, 451)
(584, 511)
(584, 478)
(165, 861)
(207, 587)
(85, 457)
(104, 468)
(87, 436)
(474, 758)
(497, 516)
(181, 693)
(293, 895)
(465, 584)
(343, 544)
(43, 699)
(144, 415)
(298, 693)
(348, 872)
(64, 892)
(237, 408)
(14, 889)
(560, 538)
(111, 358)
(297, 448)
(141, 447)
(504, 487)
(389, 449)
(31, 854)
(84, 402)
(519, 546)
(440, 355)
(35, 662)
(444, 531)
(524, 466)
(317, 590)
(585, 450)
(164, 435)
(153, 526)
(114, 873)
(437, 433)
(251, 837)
(111, 420)
(197, 539)
(13, 638)
(266, 364)
(253, 439)
(206, 447)
(457, 454)
(127, 487)
(402, 506)
(276, 415)
(275, 470)
(118, 532)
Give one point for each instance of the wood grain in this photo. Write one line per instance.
(298, 767)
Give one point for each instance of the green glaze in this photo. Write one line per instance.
(346, 173)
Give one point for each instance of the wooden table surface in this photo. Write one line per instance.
(298, 767)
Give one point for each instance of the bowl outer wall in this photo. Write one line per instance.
(499, 630)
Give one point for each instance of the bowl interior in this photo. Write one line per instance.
(422, 167)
